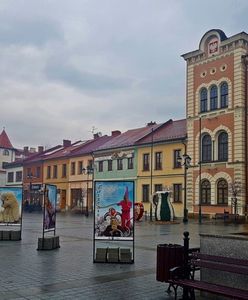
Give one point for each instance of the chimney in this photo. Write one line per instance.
(115, 133)
(151, 123)
(66, 143)
(40, 149)
(25, 150)
(97, 135)
(32, 150)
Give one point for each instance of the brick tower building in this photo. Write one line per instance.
(216, 111)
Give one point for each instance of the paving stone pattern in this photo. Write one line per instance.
(69, 272)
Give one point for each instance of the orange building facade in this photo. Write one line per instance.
(216, 112)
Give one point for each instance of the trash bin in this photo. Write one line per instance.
(168, 257)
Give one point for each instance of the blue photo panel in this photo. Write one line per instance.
(10, 205)
(114, 204)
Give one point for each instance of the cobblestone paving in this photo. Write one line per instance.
(69, 272)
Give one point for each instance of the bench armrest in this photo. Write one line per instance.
(176, 272)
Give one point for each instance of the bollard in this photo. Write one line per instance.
(186, 263)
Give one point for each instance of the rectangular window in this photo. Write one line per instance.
(90, 164)
(177, 154)
(158, 187)
(80, 167)
(48, 172)
(28, 172)
(130, 163)
(38, 172)
(73, 168)
(145, 193)
(55, 171)
(119, 164)
(100, 166)
(158, 161)
(146, 158)
(19, 176)
(110, 165)
(177, 192)
(11, 177)
(63, 170)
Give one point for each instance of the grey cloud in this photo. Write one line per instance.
(85, 80)
(28, 31)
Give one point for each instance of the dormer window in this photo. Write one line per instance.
(6, 152)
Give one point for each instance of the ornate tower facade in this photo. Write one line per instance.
(216, 112)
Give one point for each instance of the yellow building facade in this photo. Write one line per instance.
(158, 167)
(80, 183)
(56, 171)
(167, 177)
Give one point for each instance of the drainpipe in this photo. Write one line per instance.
(245, 61)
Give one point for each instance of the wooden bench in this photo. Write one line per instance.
(183, 277)
(226, 216)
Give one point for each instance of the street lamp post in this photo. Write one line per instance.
(185, 161)
(87, 171)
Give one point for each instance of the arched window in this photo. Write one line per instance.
(204, 100)
(213, 97)
(222, 192)
(205, 192)
(223, 146)
(224, 95)
(206, 148)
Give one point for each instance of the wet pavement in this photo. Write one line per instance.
(69, 272)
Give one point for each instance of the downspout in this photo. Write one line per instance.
(245, 61)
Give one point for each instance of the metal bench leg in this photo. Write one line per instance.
(169, 289)
(175, 290)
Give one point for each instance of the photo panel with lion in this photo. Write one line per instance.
(10, 205)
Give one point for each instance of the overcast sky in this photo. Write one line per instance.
(67, 66)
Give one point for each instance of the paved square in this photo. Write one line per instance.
(69, 272)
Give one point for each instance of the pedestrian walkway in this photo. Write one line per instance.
(69, 272)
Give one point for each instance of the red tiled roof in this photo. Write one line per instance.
(171, 130)
(92, 145)
(129, 137)
(63, 151)
(4, 141)
(39, 156)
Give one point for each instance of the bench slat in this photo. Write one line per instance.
(212, 288)
(226, 260)
(221, 267)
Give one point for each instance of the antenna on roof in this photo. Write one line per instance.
(93, 129)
